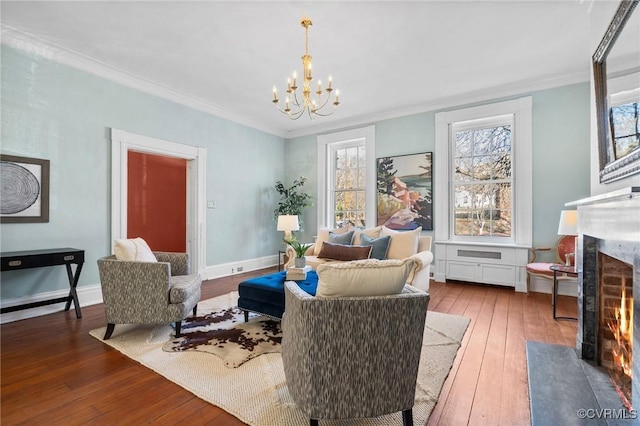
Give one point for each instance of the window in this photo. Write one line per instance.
(625, 127)
(346, 178)
(348, 184)
(483, 178)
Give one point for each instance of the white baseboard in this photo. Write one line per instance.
(240, 267)
(87, 295)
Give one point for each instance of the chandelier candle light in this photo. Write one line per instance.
(306, 104)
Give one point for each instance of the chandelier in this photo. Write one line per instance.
(295, 106)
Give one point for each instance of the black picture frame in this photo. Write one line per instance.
(24, 196)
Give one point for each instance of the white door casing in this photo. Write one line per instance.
(121, 143)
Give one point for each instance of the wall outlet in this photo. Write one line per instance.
(240, 268)
(211, 204)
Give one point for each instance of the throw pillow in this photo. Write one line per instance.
(370, 232)
(379, 246)
(134, 249)
(369, 277)
(403, 243)
(323, 235)
(344, 239)
(343, 252)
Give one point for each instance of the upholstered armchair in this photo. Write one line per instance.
(138, 292)
(351, 357)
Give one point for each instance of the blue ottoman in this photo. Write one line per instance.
(265, 294)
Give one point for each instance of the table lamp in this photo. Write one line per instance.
(288, 223)
(569, 226)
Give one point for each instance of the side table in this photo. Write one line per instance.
(281, 255)
(562, 269)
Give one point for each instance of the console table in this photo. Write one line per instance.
(15, 260)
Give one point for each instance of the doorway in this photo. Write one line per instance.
(126, 146)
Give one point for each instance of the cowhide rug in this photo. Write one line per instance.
(225, 334)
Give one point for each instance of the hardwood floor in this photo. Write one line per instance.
(53, 372)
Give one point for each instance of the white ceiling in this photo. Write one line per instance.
(388, 58)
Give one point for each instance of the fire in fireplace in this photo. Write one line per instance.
(616, 324)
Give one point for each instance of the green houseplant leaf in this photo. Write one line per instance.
(298, 247)
(292, 200)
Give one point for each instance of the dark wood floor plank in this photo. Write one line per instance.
(53, 372)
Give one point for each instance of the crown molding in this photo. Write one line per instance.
(33, 45)
(36, 46)
(519, 88)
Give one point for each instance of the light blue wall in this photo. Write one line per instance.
(59, 113)
(62, 114)
(560, 153)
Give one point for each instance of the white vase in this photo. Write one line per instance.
(300, 262)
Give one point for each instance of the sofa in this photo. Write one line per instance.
(330, 247)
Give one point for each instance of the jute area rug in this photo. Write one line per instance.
(256, 391)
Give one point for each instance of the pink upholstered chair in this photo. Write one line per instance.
(565, 248)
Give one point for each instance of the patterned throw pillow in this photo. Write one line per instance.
(379, 246)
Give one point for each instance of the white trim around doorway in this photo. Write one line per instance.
(121, 143)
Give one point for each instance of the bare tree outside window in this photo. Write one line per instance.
(349, 186)
(483, 182)
(625, 127)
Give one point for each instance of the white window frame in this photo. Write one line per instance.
(522, 149)
(484, 123)
(326, 145)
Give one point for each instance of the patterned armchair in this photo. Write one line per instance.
(148, 292)
(350, 357)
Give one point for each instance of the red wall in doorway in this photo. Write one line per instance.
(157, 201)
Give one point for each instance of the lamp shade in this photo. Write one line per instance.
(288, 222)
(568, 222)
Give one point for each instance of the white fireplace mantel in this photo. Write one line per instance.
(613, 216)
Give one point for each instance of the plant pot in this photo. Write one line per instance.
(300, 262)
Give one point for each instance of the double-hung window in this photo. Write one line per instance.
(346, 178)
(482, 176)
(483, 180)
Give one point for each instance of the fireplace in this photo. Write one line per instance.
(608, 262)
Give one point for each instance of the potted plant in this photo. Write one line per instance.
(292, 200)
(300, 249)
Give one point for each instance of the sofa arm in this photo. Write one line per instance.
(422, 275)
(291, 254)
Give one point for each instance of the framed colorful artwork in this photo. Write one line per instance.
(404, 191)
(24, 192)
